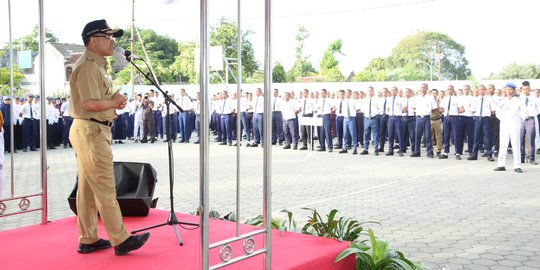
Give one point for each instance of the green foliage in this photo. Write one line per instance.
(183, 67)
(258, 221)
(381, 257)
(329, 63)
(224, 34)
(302, 66)
(31, 41)
(424, 49)
(343, 229)
(161, 50)
(278, 74)
(18, 76)
(516, 71)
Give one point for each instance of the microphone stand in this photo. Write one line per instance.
(172, 220)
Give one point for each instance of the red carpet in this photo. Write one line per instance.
(54, 246)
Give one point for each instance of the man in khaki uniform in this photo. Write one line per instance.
(93, 109)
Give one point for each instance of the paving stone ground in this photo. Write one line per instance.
(444, 213)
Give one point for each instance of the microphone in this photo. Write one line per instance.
(127, 54)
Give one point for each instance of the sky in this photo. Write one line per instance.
(494, 33)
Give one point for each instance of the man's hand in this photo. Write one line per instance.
(120, 100)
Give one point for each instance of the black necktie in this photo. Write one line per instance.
(393, 100)
(305, 100)
(323, 105)
(369, 114)
(31, 114)
(481, 105)
(449, 102)
(340, 105)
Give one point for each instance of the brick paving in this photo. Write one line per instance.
(444, 213)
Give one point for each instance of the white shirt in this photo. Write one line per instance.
(52, 114)
(467, 102)
(185, 103)
(226, 106)
(324, 106)
(16, 110)
(349, 107)
(409, 104)
(276, 104)
(383, 105)
(424, 105)
(529, 103)
(450, 105)
(340, 107)
(27, 113)
(197, 107)
(394, 106)
(370, 107)
(307, 106)
(510, 112)
(289, 108)
(482, 106)
(65, 108)
(258, 104)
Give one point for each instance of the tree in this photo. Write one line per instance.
(278, 74)
(433, 53)
(184, 64)
(302, 66)
(375, 71)
(329, 63)
(31, 42)
(224, 34)
(516, 71)
(161, 50)
(18, 76)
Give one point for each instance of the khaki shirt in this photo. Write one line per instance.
(89, 80)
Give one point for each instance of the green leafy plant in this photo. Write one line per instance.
(343, 229)
(258, 221)
(381, 257)
(288, 224)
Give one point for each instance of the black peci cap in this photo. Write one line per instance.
(100, 27)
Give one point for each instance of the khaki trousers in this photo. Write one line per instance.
(96, 184)
(436, 134)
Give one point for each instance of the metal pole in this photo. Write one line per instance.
(12, 136)
(267, 168)
(204, 139)
(43, 121)
(132, 40)
(238, 127)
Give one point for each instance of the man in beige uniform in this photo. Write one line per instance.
(93, 109)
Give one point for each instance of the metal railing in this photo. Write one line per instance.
(249, 245)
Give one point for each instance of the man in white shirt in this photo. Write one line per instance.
(30, 113)
(528, 129)
(52, 114)
(289, 109)
(138, 120)
(395, 128)
(482, 109)
(258, 112)
(510, 110)
(324, 110)
(424, 104)
(308, 107)
(349, 124)
(339, 109)
(226, 110)
(465, 123)
(67, 120)
(277, 119)
(408, 121)
(371, 121)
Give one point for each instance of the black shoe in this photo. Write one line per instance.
(33, 149)
(321, 149)
(303, 148)
(354, 152)
(134, 242)
(196, 142)
(98, 245)
(273, 143)
(65, 146)
(182, 141)
(430, 156)
(288, 146)
(343, 151)
(254, 145)
(389, 153)
(533, 162)
(518, 170)
(230, 143)
(538, 151)
(377, 153)
(248, 144)
(295, 147)
(364, 152)
(51, 147)
(484, 154)
(280, 143)
(144, 141)
(490, 159)
(222, 143)
(415, 155)
(330, 150)
(400, 154)
(120, 142)
(458, 157)
(472, 158)
(500, 169)
(443, 156)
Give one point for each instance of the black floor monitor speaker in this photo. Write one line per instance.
(135, 184)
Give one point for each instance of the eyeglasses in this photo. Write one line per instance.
(107, 37)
